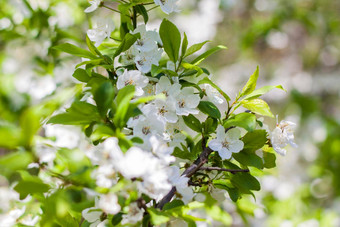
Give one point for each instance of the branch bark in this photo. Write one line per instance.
(223, 169)
(198, 163)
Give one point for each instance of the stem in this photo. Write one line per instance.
(152, 8)
(134, 18)
(223, 169)
(199, 162)
(114, 10)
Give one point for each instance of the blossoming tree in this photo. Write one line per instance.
(162, 136)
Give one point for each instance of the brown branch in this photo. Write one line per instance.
(199, 162)
(223, 169)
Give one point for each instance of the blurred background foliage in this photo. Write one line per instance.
(296, 43)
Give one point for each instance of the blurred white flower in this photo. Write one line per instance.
(94, 5)
(64, 136)
(109, 204)
(283, 135)
(226, 143)
(134, 214)
(144, 60)
(148, 39)
(168, 6)
(164, 86)
(133, 77)
(101, 30)
(212, 94)
(11, 217)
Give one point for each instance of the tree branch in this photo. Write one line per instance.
(199, 162)
(223, 169)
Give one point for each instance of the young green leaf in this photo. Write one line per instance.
(103, 96)
(251, 84)
(92, 47)
(81, 75)
(171, 38)
(123, 99)
(142, 11)
(263, 90)
(74, 50)
(194, 48)
(248, 159)
(244, 120)
(257, 106)
(206, 80)
(193, 123)
(206, 54)
(254, 140)
(127, 42)
(245, 182)
(184, 45)
(209, 109)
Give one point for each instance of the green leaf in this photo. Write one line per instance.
(192, 67)
(171, 38)
(173, 204)
(13, 161)
(30, 185)
(194, 48)
(142, 11)
(244, 120)
(158, 217)
(245, 182)
(193, 123)
(92, 47)
(209, 109)
(184, 45)
(251, 84)
(206, 80)
(116, 219)
(247, 159)
(81, 75)
(80, 113)
(257, 106)
(74, 50)
(269, 157)
(254, 140)
(30, 124)
(263, 90)
(128, 41)
(210, 125)
(104, 97)
(206, 54)
(123, 99)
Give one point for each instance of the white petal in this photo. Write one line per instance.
(236, 146)
(233, 134)
(224, 153)
(215, 145)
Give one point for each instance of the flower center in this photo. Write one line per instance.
(225, 144)
(162, 111)
(129, 82)
(181, 104)
(146, 130)
(163, 1)
(140, 42)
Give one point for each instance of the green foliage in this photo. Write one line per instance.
(209, 109)
(258, 106)
(244, 120)
(171, 38)
(74, 50)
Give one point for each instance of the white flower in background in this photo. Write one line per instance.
(46, 154)
(128, 58)
(187, 101)
(148, 39)
(11, 217)
(168, 6)
(29, 220)
(64, 136)
(144, 60)
(133, 77)
(181, 184)
(136, 163)
(173, 133)
(169, 90)
(93, 215)
(212, 94)
(101, 30)
(94, 5)
(283, 135)
(149, 90)
(156, 184)
(226, 143)
(162, 150)
(134, 215)
(109, 203)
(105, 175)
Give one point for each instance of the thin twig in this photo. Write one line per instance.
(223, 169)
(114, 10)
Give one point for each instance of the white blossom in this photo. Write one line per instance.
(181, 184)
(168, 6)
(187, 101)
(11, 217)
(144, 60)
(94, 5)
(148, 39)
(162, 150)
(133, 77)
(109, 203)
(134, 215)
(169, 90)
(283, 135)
(226, 143)
(101, 30)
(165, 111)
(212, 94)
